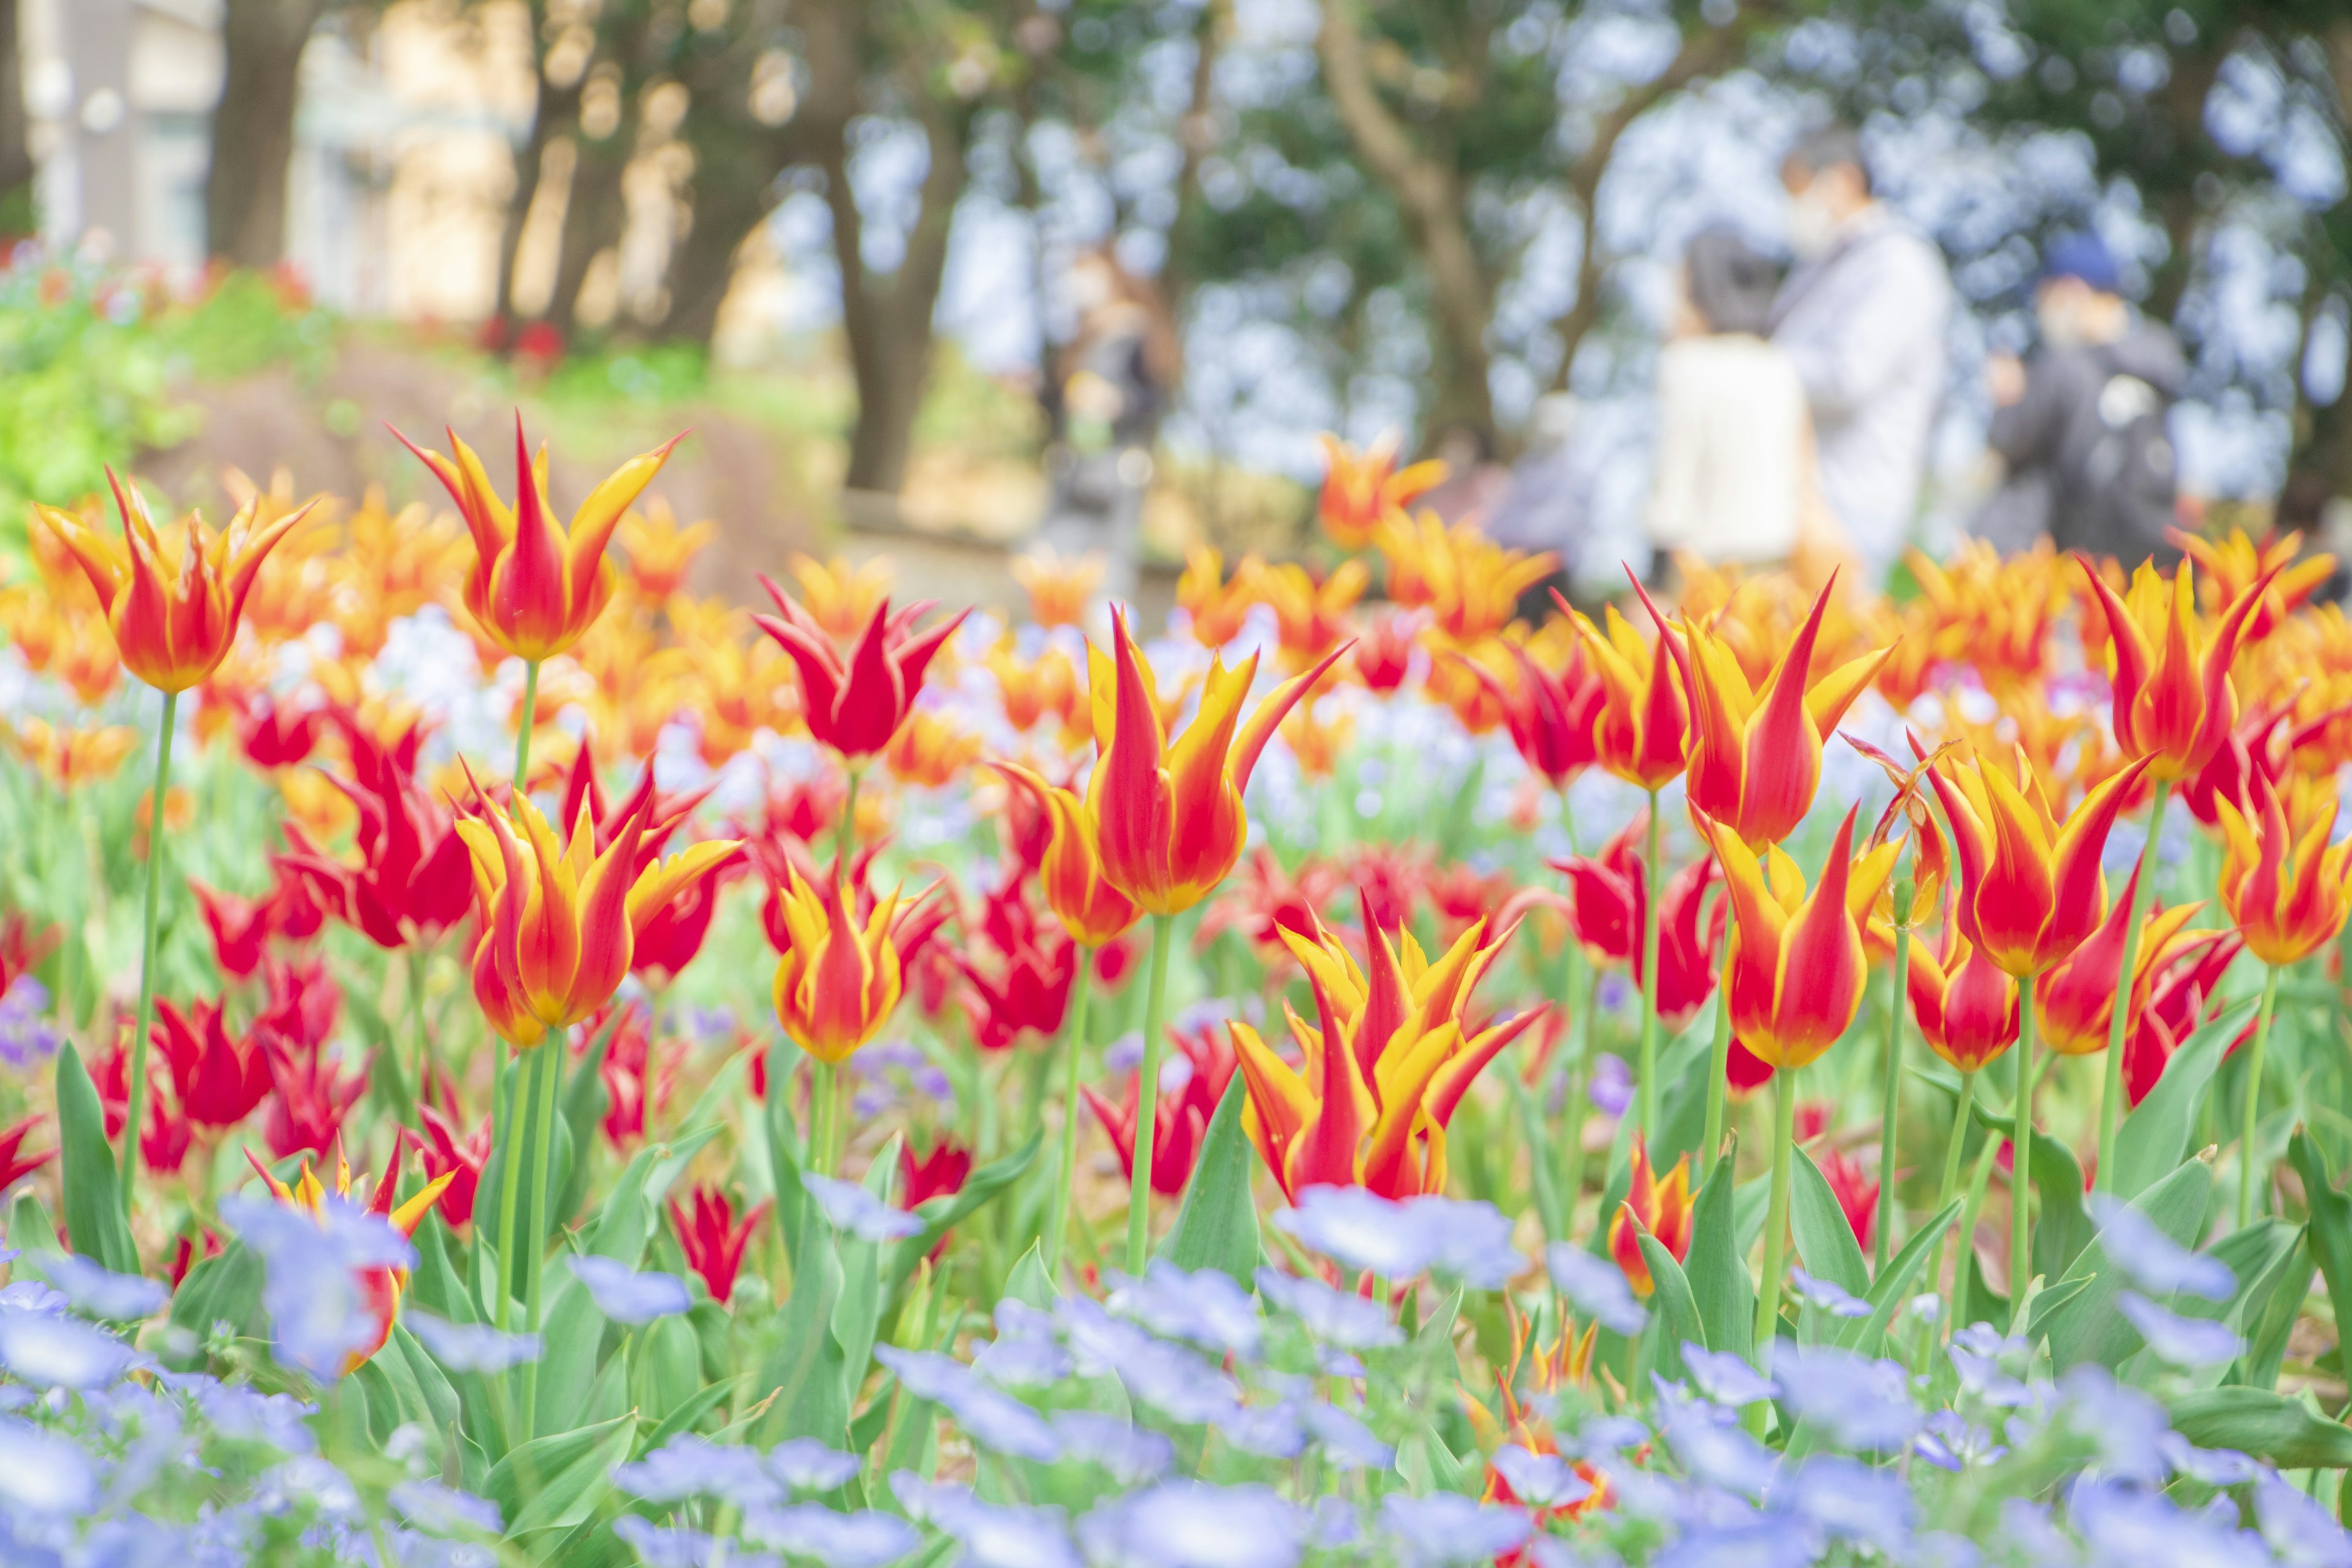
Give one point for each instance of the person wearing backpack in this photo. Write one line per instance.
(2083, 427)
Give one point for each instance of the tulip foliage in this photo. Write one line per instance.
(1390, 1066)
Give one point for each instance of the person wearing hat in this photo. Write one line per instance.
(2083, 427)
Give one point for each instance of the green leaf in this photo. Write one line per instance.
(583, 1104)
(805, 1373)
(1217, 1226)
(1028, 1284)
(570, 1494)
(687, 1415)
(226, 1288)
(93, 1197)
(1893, 1287)
(1718, 1280)
(1682, 1100)
(521, 1478)
(2155, 1134)
(2084, 1326)
(1825, 1240)
(941, 1215)
(2266, 1424)
(2331, 1221)
(2061, 1227)
(1674, 1312)
(2259, 1257)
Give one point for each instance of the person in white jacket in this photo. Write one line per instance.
(1863, 318)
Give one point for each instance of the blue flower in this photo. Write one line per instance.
(1725, 1378)
(1766, 1543)
(660, 1548)
(2124, 1422)
(1719, 1455)
(691, 1466)
(445, 1511)
(2213, 1467)
(2154, 1260)
(27, 1037)
(1344, 1320)
(1132, 1454)
(865, 1540)
(807, 1465)
(2123, 1525)
(1950, 1442)
(1191, 1524)
(1206, 1308)
(1859, 1403)
(850, 1208)
(312, 1267)
(471, 1347)
(1024, 1352)
(993, 1535)
(1852, 1501)
(1977, 1353)
(2298, 1529)
(1276, 1431)
(1540, 1480)
(1596, 1287)
(2186, 1342)
(1828, 1296)
(244, 1415)
(1471, 1241)
(1178, 1383)
(1345, 1440)
(50, 1351)
(626, 1296)
(99, 1291)
(1445, 1526)
(1611, 1435)
(988, 1415)
(41, 1473)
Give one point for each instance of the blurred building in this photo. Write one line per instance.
(403, 158)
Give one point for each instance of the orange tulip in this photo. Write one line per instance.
(1218, 607)
(2177, 707)
(1796, 966)
(659, 550)
(172, 628)
(382, 1287)
(558, 921)
(2074, 999)
(1967, 1009)
(839, 597)
(1170, 811)
(1362, 488)
(1093, 911)
(533, 588)
(2281, 880)
(1643, 733)
(838, 982)
(928, 750)
(1310, 614)
(2235, 563)
(1664, 1209)
(1756, 753)
(1059, 590)
(2030, 886)
(1392, 1058)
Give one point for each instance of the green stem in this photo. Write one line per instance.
(1073, 1042)
(2021, 1179)
(1139, 1191)
(156, 837)
(824, 1111)
(845, 838)
(1718, 1078)
(525, 716)
(1649, 1084)
(1979, 1180)
(546, 1066)
(417, 960)
(512, 1123)
(1951, 1182)
(1776, 1221)
(2246, 1153)
(2111, 1097)
(1579, 1080)
(1891, 1105)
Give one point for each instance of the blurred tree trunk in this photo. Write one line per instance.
(1196, 133)
(554, 116)
(253, 128)
(737, 159)
(593, 217)
(16, 214)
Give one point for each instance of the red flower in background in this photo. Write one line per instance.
(665, 812)
(309, 1096)
(163, 1142)
(635, 1080)
(1030, 991)
(1610, 905)
(448, 1151)
(855, 706)
(1264, 901)
(239, 927)
(14, 1164)
(2178, 1000)
(1181, 1118)
(941, 1173)
(217, 1080)
(1552, 717)
(273, 735)
(1856, 1193)
(1389, 876)
(183, 1255)
(713, 1240)
(673, 938)
(1384, 653)
(415, 878)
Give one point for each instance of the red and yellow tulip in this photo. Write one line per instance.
(534, 588)
(2282, 881)
(172, 627)
(2074, 999)
(839, 981)
(1360, 488)
(1643, 733)
(382, 1287)
(1090, 908)
(1663, 1207)
(856, 706)
(1966, 1008)
(2175, 708)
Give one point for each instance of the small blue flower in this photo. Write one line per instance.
(41, 1473)
(692, 1466)
(2124, 1422)
(852, 1210)
(1725, 1378)
(99, 1291)
(2213, 1467)
(1359, 1228)
(1611, 1089)
(312, 1268)
(1540, 1480)
(1766, 1543)
(1853, 1501)
(1345, 1440)
(1331, 1315)
(2186, 1342)
(988, 1415)
(1719, 1455)
(2298, 1529)
(1859, 1403)
(807, 1465)
(1132, 1454)
(2154, 1260)
(1445, 1526)
(471, 1347)
(1276, 1431)
(445, 1511)
(658, 1547)
(993, 1535)
(1206, 1308)
(864, 1540)
(1827, 1295)
(1596, 1287)
(55, 1352)
(1191, 1524)
(626, 1296)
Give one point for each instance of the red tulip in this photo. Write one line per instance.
(1664, 1209)
(1608, 906)
(1553, 719)
(218, 1081)
(460, 1156)
(2177, 707)
(1181, 1120)
(712, 1239)
(1856, 1192)
(15, 1165)
(854, 706)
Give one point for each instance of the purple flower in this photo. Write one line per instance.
(471, 1347)
(988, 1415)
(1132, 1454)
(2124, 1422)
(1276, 1431)
(1330, 1315)
(1611, 1089)
(1611, 1435)
(993, 1535)
(27, 1037)
(1124, 1055)
(851, 1209)
(49, 1351)
(1445, 1526)
(1977, 1353)
(1191, 1524)
(1725, 1378)
(1596, 1287)
(1859, 1403)
(1950, 1442)
(1540, 1480)
(2154, 1260)
(2213, 1467)
(691, 1466)
(1345, 1440)
(2298, 1529)
(312, 1266)
(2123, 1525)
(807, 1465)
(1178, 1383)
(41, 1473)
(626, 1296)
(1357, 1229)
(2186, 1342)
(865, 1539)
(280, 1420)
(445, 1511)
(1765, 1543)
(1025, 1354)
(1206, 1308)
(1852, 1501)
(99, 1291)
(1827, 1296)
(659, 1548)
(1719, 1455)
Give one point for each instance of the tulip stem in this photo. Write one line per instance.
(1073, 1042)
(1953, 1148)
(845, 840)
(524, 717)
(546, 1062)
(1718, 1078)
(2020, 1174)
(2255, 1095)
(155, 840)
(1649, 1086)
(825, 1109)
(1776, 1222)
(512, 1125)
(2111, 1097)
(1147, 1114)
(1579, 1078)
(417, 960)
(1891, 1104)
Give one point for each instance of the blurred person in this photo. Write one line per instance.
(2082, 428)
(1104, 404)
(1733, 468)
(1863, 317)
(1547, 503)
